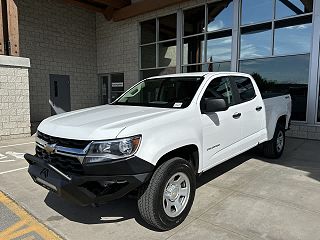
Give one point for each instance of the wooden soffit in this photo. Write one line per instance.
(118, 10)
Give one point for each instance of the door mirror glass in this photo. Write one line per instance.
(209, 105)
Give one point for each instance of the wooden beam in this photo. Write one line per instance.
(1, 31)
(13, 28)
(108, 13)
(141, 7)
(114, 3)
(84, 5)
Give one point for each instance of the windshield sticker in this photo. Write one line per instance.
(177, 105)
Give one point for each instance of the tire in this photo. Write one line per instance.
(273, 148)
(168, 185)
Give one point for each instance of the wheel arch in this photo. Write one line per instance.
(282, 120)
(188, 152)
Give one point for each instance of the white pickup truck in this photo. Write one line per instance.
(155, 139)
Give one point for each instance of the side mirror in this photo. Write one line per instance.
(214, 105)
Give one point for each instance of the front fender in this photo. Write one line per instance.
(159, 139)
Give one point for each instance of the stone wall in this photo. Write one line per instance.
(14, 100)
(303, 131)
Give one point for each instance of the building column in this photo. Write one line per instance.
(313, 86)
(235, 35)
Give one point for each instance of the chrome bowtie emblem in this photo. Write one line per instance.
(50, 148)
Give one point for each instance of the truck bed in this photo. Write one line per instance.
(276, 106)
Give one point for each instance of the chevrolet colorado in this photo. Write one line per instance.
(155, 139)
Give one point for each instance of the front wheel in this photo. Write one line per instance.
(166, 201)
(274, 148)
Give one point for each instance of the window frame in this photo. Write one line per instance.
(205, 34)
(314, 69)
(313, 15)
(157, 44)
(273, 29)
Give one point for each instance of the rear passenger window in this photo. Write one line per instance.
(220, 88)
(245, 88)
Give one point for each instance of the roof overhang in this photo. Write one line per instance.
(118, 10)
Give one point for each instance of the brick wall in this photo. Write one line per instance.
(14, 102)
(58, 39)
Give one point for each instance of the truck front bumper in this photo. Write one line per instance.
(83, 189)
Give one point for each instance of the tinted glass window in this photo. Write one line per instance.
(193, 50)
(220, 88)
(254, 11)
(156, 72)
(219, 47)
(148, 56)
(168, 27)
(245, 88)
(194, 68)
(256, 41)
(148, 31)
(208, 67)
(293, 36)
(285, 8)
(282, 75)
(194, 21)
(167, 54)
(220, 15)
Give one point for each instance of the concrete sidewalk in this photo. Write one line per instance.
(248, 197)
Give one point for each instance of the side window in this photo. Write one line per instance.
(245, 88)
(220, 88)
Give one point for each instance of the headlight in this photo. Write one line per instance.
(112, 149)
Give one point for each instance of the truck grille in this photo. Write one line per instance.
(63, 163)
(69, 143)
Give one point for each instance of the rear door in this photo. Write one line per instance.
(221, 130)
(252, 108)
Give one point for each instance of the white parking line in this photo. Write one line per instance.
(18, 144)
(14, 170)
(4, 161)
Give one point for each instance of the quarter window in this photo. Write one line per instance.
(220, 88)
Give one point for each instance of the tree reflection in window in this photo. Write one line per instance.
(282, 75)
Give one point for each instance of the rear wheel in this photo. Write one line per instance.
(166, 201)
(274, 148)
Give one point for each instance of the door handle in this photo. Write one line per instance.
(236, 115)
(258, 109)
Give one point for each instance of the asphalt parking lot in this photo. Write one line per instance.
(248, 197)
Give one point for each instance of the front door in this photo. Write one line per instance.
(221, 130)
(59, 93)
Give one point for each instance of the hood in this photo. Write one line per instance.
(98, 123)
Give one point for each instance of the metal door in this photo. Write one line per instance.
(59, 93)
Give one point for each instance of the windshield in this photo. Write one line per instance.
(174, 92)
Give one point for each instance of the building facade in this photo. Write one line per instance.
(270, 39)
(79, 58)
